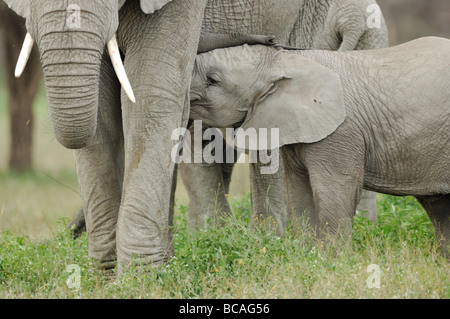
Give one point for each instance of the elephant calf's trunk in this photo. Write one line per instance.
(210, 41)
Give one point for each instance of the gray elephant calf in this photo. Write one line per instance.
(376, 119)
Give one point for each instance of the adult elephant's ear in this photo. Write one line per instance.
(20, 7)
(149, 6)
(305, 102)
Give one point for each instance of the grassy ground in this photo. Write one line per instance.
(238, 261)
(235, 261)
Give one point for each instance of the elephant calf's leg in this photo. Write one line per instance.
(299, 196)
(336, 183)
(368, 205)
(335, 200)
(267, 192)
(207, 186)
(438, 209)
(206, 189)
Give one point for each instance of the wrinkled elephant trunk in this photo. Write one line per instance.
(71, 56)
(72, 88)
(72, 103)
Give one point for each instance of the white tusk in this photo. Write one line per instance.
(24, 55)
(114, 53)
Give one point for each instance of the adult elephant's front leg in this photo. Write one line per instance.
(160, 66)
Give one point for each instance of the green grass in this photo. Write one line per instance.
(239, 261)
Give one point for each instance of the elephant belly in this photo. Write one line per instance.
(410, 168)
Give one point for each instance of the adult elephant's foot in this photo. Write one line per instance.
(142, 241)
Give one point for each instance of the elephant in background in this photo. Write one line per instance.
(328, 25)
(334, 143)
(354, 26)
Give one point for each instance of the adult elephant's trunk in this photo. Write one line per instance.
(72, 102)
(72, 87)
(71, 38)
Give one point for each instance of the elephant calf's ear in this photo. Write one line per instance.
(18, 6)
(150, 6)
(307, 106)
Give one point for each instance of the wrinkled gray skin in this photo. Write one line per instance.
(122, 149)
(329, 25)
(378, 120)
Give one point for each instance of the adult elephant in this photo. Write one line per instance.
(328, 25)
(122, 148)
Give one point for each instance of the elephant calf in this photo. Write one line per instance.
(377, 119)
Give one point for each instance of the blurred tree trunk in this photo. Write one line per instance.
(21, 91)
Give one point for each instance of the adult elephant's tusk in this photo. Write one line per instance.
(24, 55)
(114, 53)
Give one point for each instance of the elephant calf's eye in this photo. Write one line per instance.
(212, 79)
